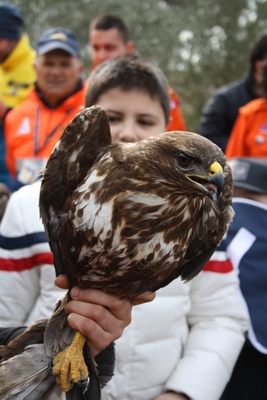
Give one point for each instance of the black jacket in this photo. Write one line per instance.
(8, 334)
(220, 111)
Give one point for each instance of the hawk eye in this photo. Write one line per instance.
(183, 159)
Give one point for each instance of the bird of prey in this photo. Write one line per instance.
(124, 218)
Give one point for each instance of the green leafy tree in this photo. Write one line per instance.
(199, 44)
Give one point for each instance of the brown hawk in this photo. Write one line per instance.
(127, 218)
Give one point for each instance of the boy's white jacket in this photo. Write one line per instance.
(27, 289)
(186, 340)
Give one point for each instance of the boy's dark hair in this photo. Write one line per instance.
(129, 72)
(258, 51)
(109, 21)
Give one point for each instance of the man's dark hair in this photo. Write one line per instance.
(109, 21)
(258, 50)
(129, 72)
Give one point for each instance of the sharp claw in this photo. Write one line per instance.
(84, 384)
(50, 370)
(50, 367)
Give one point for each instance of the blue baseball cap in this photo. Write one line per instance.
(58, 38)
(11, 22)
(250, 173)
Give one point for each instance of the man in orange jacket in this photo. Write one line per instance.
(109, 37)
(249, 134)
(33, 128)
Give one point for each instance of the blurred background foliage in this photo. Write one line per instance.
(199, 44)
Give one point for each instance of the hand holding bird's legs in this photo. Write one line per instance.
(99, 316)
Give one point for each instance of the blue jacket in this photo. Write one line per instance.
(245, 247)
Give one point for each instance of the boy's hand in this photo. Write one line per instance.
(99, 316)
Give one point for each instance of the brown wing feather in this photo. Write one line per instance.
(85, 137)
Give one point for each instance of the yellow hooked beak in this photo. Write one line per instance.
(212, 184)
(215, 169)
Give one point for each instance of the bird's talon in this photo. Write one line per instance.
(50, 367)
(69, 366)
(84, 384)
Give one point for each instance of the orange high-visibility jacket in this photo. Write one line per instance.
(249, 135)
(176, 122)
(32, 129)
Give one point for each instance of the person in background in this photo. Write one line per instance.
(33, 128)
(249, 135)
(17, 74)
(221, 109)
(109, 37)
(245, 248)
(161, 354)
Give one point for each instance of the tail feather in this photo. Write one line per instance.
(42, 387)
(27, 377)
(46, 389)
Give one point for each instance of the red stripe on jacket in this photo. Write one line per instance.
(221, 267)
(22, 264)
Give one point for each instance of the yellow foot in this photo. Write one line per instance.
(69, 366)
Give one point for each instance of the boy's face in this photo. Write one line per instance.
(133, 115)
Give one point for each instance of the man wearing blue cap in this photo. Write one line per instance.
(35, 126)
(17, 74)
